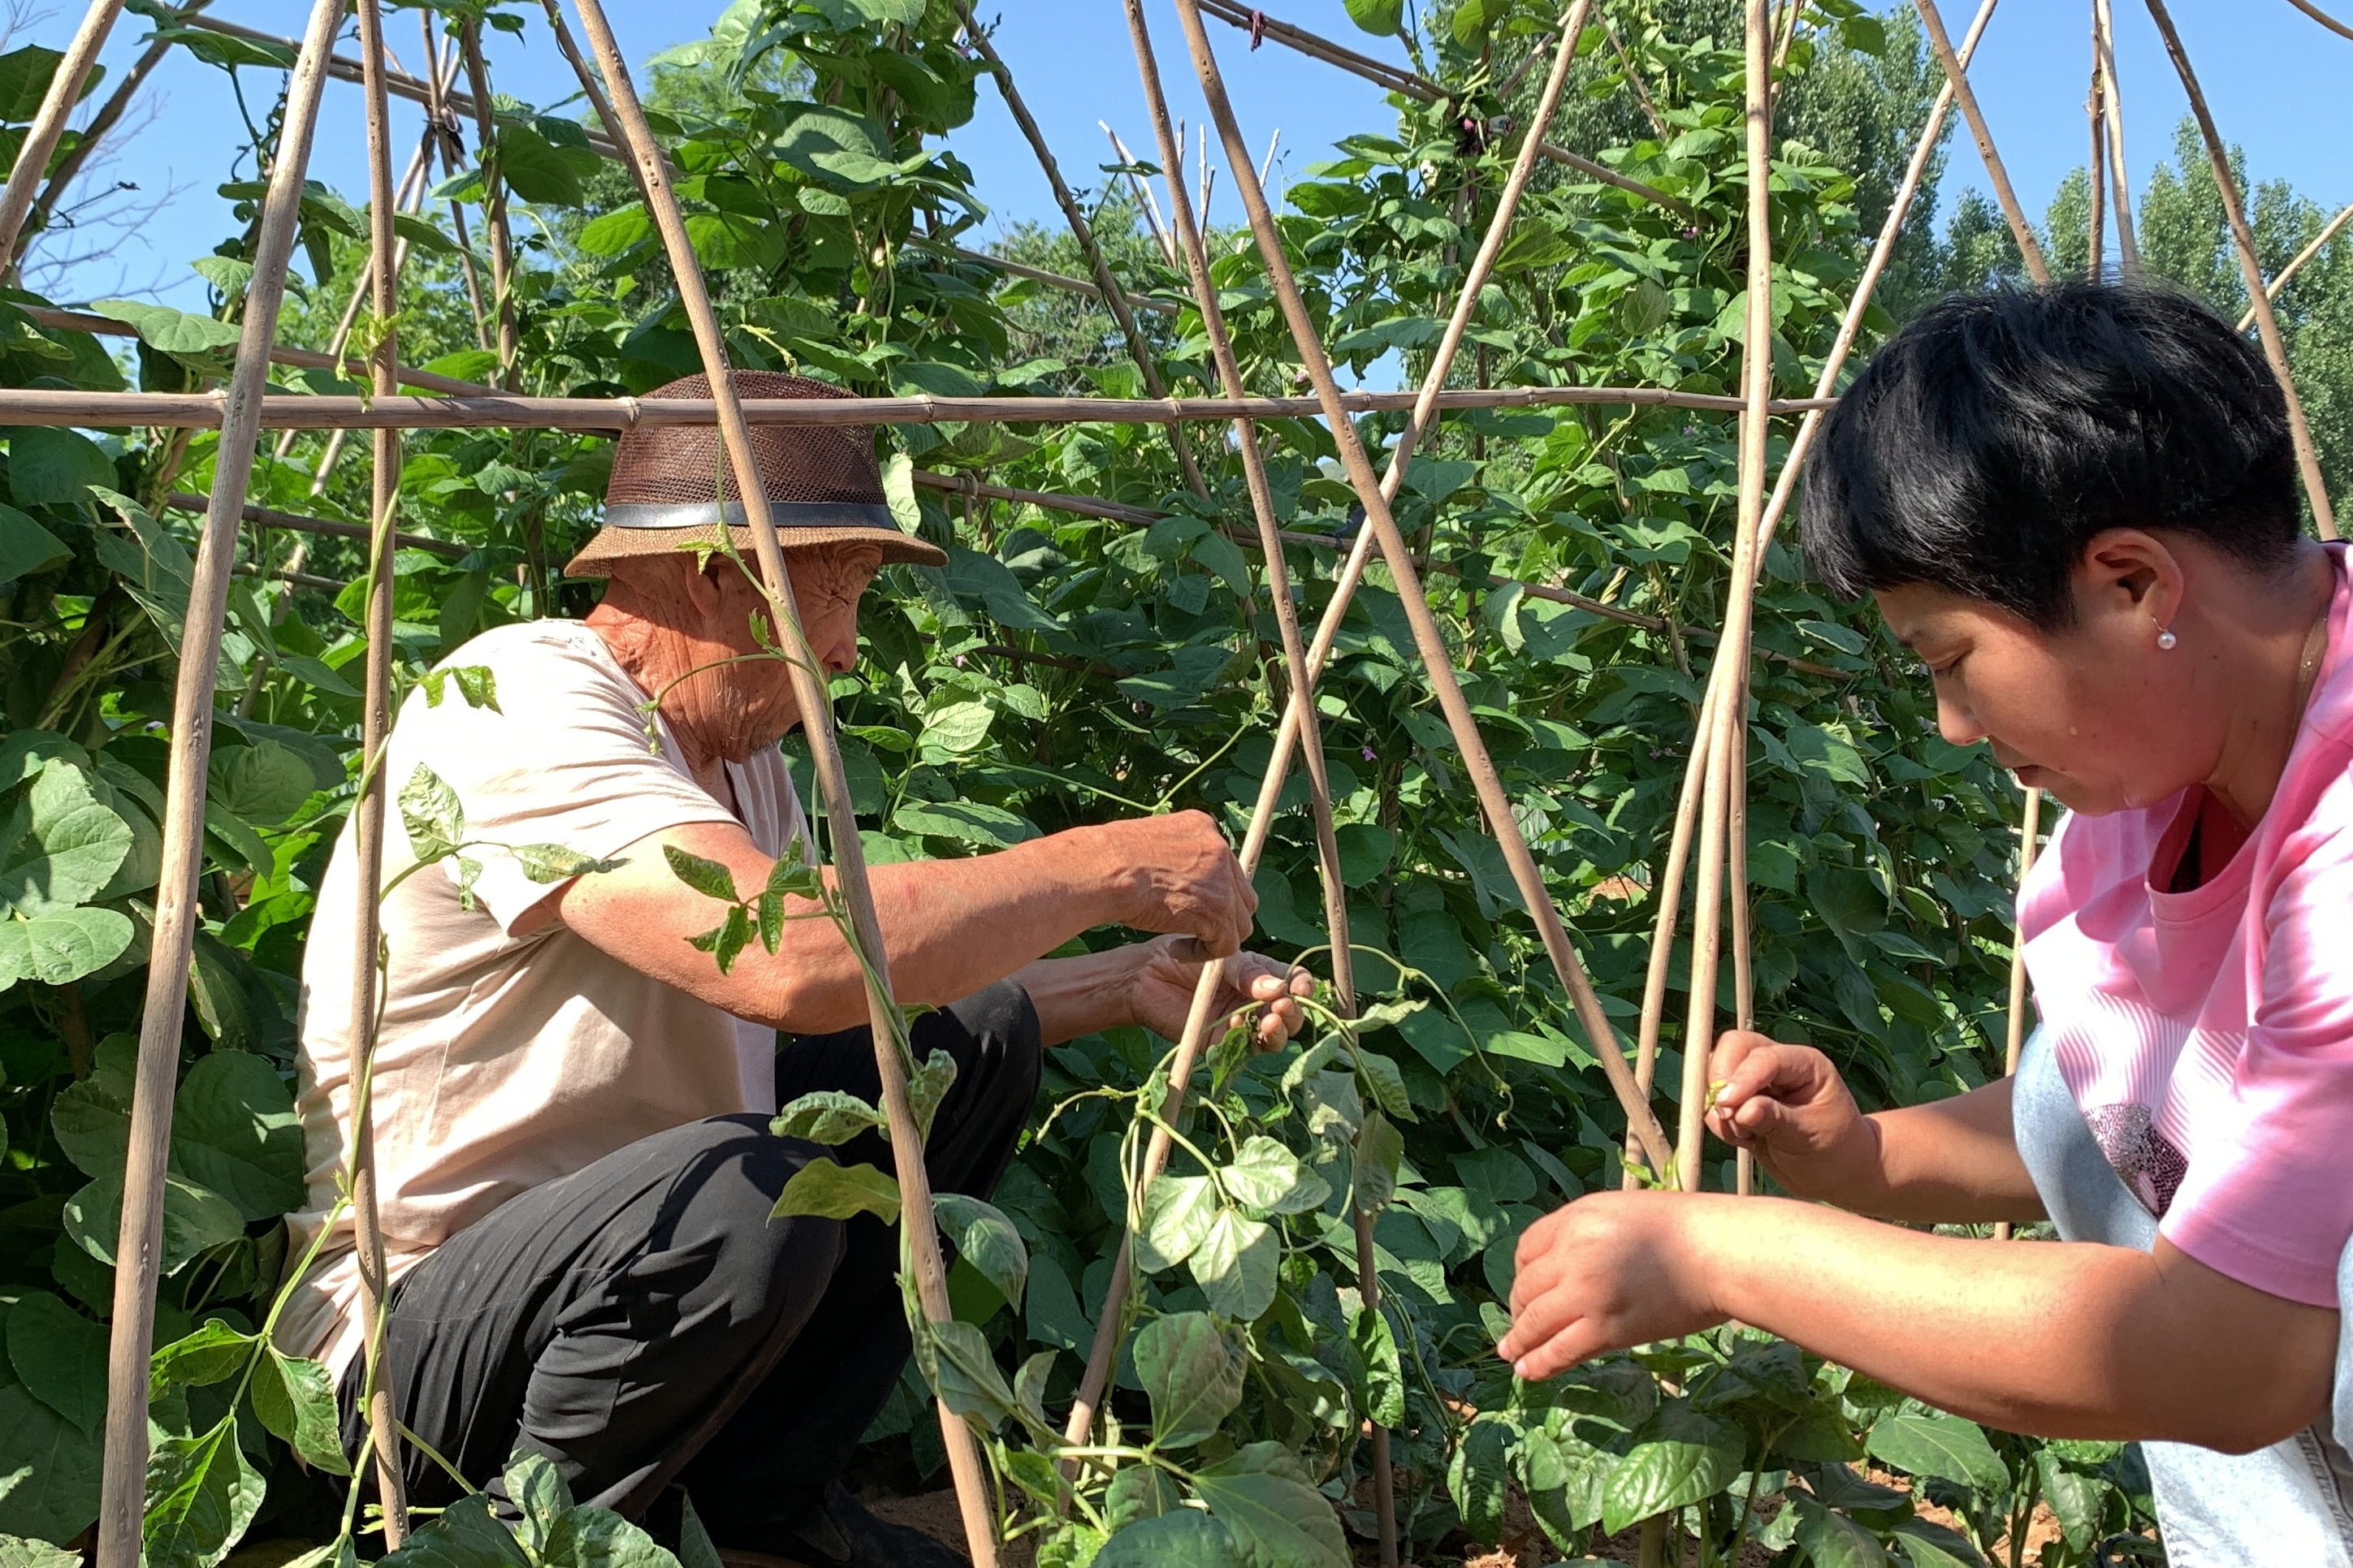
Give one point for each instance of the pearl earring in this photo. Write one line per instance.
(2165, 639)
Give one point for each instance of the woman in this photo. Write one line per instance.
(2078, 507)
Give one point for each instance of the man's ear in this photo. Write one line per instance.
(2129, 571)
(703, 590)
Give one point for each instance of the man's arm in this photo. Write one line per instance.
(2060, 1339)
(950, 926)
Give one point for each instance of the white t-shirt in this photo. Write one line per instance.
(504, 1061)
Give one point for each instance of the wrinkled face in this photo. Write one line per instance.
(2094, 713)
(726, 684)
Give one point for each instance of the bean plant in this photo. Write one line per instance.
(1061, 669)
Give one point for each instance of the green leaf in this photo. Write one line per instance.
(60, 1357)
(534, 170)
(430, 811)
(26, 547)
(1831, 1540)
(1177, 1214)
(17, 1552)
(1942, 1446)
(1144, 1491)
(214, 1353)
(196, 1220)
(170, 331)
(1185, 1538)
(958, 727)
(295, 1398)
(466, 1535)
(1923, 1543)
(49, 1468)
(263, 783)
(1478, 1476)
(63, 945)
(539, 1496)
(927, 1086)
(1268, 1177)
(1236, 1263)
(1382, 17)
(615, 231)
(1386, 1080)
(836, 1191)
(55, 467)
(550, 863)
(1678, 1456)
(956, 1361)
(1278, 1518)
(598, 1537)
(985, 1239)
(1823, 752)
(1379, 1149)
(1382, 1396)
(1192, 1371)
(827, 1116)
(708, 877)
(234, 1129)
(202, 1493)
(25, 78)
(965, 821)
(60, 846)
(423, 233)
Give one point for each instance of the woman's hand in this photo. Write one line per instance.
(1253, 989)
(1610, 1271)
(1789, 1105)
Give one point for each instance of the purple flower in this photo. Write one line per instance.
(1691, 233)
(1371, 755)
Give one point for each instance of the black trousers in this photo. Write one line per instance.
(644, 1321)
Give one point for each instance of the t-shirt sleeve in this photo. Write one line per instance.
(2269, 1199)
(565, 759)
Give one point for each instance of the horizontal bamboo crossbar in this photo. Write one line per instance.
(1058, 279)
(201, 410)
(303, 358)
(184, 501)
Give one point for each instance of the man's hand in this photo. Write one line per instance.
(1789, 1105)
(1179, 876)
(1253, 989)
(1607, 1271)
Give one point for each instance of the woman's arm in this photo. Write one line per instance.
(1949, 1162)
(2061, 1339)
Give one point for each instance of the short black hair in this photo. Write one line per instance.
(1991, 439)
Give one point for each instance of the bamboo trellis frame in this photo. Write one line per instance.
(138, 1256)
(49, 125)
(1712, 801)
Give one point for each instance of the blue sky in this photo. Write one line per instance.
(2276, 82)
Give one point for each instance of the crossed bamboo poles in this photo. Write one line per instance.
(1713, 786)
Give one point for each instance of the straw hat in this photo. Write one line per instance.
(672, 484)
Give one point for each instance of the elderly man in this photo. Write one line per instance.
(571, 1100)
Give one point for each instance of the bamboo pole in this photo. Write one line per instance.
(2250, 268)
(2095, 109)
(1392, 79)
(1731, 716)
(1696, 766)
(49, 125)
(1302, 699)
(2112, 107)
(1115, 300)
(2029, 830)
(308, 359)
(268, 517)
(1428, 636)
(2323, 17)
(1956, 76)
(919, 1232)
(441, 117)
(1058, 279)
(138, 1245)
(367, 811)
(109, 115)
(482, 410)
(1147, 203)
(494, 200)
(2280, 281)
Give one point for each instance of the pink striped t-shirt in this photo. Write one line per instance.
(2208, 1036)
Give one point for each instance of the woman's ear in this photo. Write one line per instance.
(2131, 574)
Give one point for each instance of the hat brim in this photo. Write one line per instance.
(611, 544)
